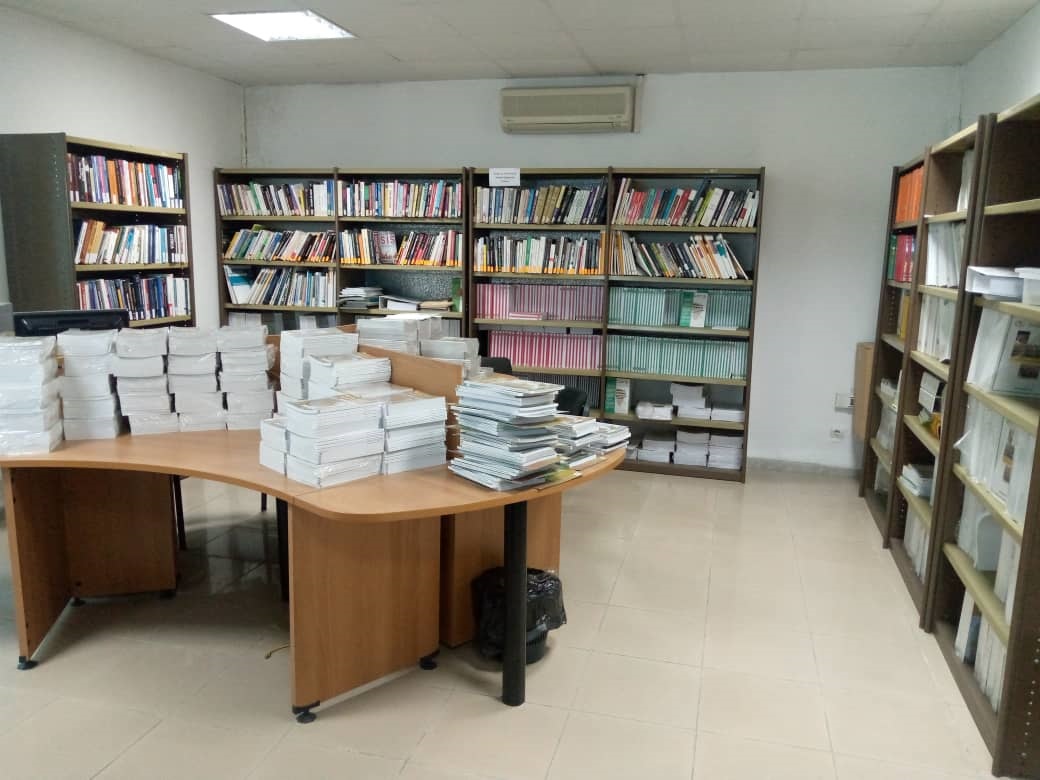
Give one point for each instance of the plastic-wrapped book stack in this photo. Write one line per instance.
(30, 413)
(198, 402)
(690, 401)
(691, 448)
(454, 349)
(90, 409)
(331, 440)
(504, 437)
(297, 345)
(414, 426)
(328, 376)
(400, 332)
(245, 357)
(725, 451)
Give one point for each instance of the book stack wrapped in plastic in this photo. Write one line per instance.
(454, 349)
(90, 409)
(331, 375)
(197, 399)
(414, 428)
(657, 447)
(725, 451)
(691, 448)
(332, 440)
(297, 345)
(690, 401)
(578, 439)
(274, 443)
(245, 357)
(397, 332)
(30, 412)
(505, 439)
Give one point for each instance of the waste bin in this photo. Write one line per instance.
(545, 611)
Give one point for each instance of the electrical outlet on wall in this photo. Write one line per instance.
(837, 434)
(843, 401)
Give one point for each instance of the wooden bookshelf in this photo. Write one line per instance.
(523, 323)
(679, 330)
(538, 227)
(678, 422)
(700, 472)
(43, 221)
(694, 380)
(681, 229)
(681, 281)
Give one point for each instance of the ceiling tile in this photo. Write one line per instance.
(945, 27)
(438, 70)
(383, 19)
(841, 33)
(597, 14)
(545, 68)
(850, 57)
(712, 11)
(615, 63)
(956, 53)
(848, 9)
(467, 16)
(780, 34)
(422, 47)
(500, 44)
(635, 42)
(1011, 8)
(760, 59)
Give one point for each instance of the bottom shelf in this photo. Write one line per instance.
(879, 511)
(978, 705)
(906, 569)
(729, 475)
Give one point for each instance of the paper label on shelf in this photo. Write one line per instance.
(503, 177)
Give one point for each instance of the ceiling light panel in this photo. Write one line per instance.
(284, 26)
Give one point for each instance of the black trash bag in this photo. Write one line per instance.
(545, 611)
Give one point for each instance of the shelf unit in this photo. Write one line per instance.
(1004, 225)
(42, 224)
(413, 281)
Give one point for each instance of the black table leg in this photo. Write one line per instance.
(282, 523)
(514, 651)
(178, 509)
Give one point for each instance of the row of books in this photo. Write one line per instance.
(909, 195)
(131, 244)
(146, 297)
(998, 455)
(724, 309)
(548, 204)
(1006, 357)
(691, 448)
(296, 199)
(978, 645)
(291, 246)
(440, 199)
(94, 178)
(916, 538)
(945, 249)
(566, 255)
(374, 247)
(901, 249)
(710, 358)
(30, 413)
(935, 327)
(539, 302)
(547, 350)
(698, 257)
(282, 287)
(706, 205)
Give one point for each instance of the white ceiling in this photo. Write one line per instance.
(410, 40)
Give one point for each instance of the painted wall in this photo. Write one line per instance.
(1005, 72)
(828, 140)
(55, 79)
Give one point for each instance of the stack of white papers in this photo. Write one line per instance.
(243, 376)
(657, 447)
(398, 332)
(578, 441)
(727, 412)
(330, 375)
(192, 363)
(213, 421)
(414, 427)
(360, 297)
(150, 423)
(199, 403)
(690, 401)
(917, 478)
(141, 343)
(274, 443)
(330, 440)
(611, 437)
(30, 416)
(296, 345)
(89, 407)
(331, 474)
(241, 337)
(141, 383)
(413, 458)
(192, 341)
(649, 411)
(725, 451)
(691, 448)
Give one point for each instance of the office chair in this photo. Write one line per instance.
(500, 365)
(571, 400)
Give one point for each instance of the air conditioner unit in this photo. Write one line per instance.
(568, 109)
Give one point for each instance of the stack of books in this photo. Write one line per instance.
(657, 447)
(192, 366)
(578, 440)
(727, 412)
(650, 411)
(332, 440)
(917, 478)
(360, 297)
(725, 451)
(454, 349)
(297, 345)
(691, 448)
(329, 376)
(690, 401)
(611, 437)
(397, 332)
(414, 426)
(30, 414)
(274, 443)
(89, 407)
(505, 441)
(245, 357)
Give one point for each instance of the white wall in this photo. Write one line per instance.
(1005, 72)
(54, 79)
(828, 140)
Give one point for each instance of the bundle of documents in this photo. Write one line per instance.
(241, 337)
(504, 436)
(208, 421)
(199, 403)
(399, 333)
(657, 447)
(1006, 358)
(274, 443)
(917, 478)
(30, 415)
(578, 440)
(192, 341)
(610, 437)
(332, 440)
(649, 411)
(455, 349)
(935, 331)
(146, 423)
(690, 400)
(329, 375)
(296, 345)
(243, 378)
(725, 451)
(360, 297)
(945, 249)
(727, 412)
(89, 407)
(691, 448)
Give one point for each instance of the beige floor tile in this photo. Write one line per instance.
(765, 608)
(858, 613)
(662, 555)
(202, 575)
(876, 663)
(856, 768)
(590, 520)
(649, 691)
(480, 735)
(18, 704)
(244, 543)
(595, 746)
(583, 622)
(589, 566)
(658, 636)
(887, 726)
(388, 720)
(309, 762)
(176, 749)
(67, 660)
(720, 757)
(413, 771)
(729, 543)
(742, 647)
(845, 552)
(822, 576)
(781, 711)
(644, 585)
(674, 524)
(768, 562)
(70, 738)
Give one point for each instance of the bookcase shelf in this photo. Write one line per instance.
(279, 264)
(448, 315)
(898, 285)
(905, 225)
(904, 563)
(696, 380)
(948, 293)
(980, 585)
(997, 507)
(682, 229)
(893, 341)
(436, 269)
(536, 227)
(884, 455)
(405, 220)
(277, 218)
(593, 278)
(1022, 311)
(679, 330)
(677, 422)
(923, 435)
(918, 504)
(940, 369)
(560, 371)
(702, 472)
(1025, 413)
(949, 216)
(1031, 206)
(59, 223)
(263, 307)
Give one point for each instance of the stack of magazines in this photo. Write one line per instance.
(329, 376)
(297, 345)
(414, 424)
(245, 357)
(30, 414)
(89, 407)
(505, 439)
(578, 440)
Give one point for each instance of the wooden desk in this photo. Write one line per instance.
(93, 518)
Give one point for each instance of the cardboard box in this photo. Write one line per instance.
(862, 388)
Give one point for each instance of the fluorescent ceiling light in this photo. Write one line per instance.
(284, 25)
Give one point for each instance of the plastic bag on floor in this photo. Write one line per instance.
(545, 611)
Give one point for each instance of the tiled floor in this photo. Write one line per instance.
(717, 632)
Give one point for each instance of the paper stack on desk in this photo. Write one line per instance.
(245, 357)
(328, 376)
(725, 451)
(504, 437)
(297, 345)
(274, 443)
(333, 440)
(727, 412)
(691, 448)
(396, 332)
(89, 407)
(30, 414)
(414, 426)
(578, 439)
(454, 349)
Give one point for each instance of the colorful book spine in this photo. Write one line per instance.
(537, 349)
(145, 297)
(535, 301)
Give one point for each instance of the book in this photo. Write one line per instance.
(145, 297)
(545, 204)
(696, 257)
(431, 199)
(98, 178)
(100, 243)
(553, 255)
(287, 199)
(287, 246)
(574, 302)
(380, 247)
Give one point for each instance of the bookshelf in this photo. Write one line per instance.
(659, 251)
(538, 282)
(92, 224)
(400, 230)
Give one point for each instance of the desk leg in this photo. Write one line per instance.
(282, 524)
(514, 651)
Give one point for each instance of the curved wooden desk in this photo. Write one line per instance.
(93, 518)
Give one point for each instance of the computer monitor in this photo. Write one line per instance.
(50, 323)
